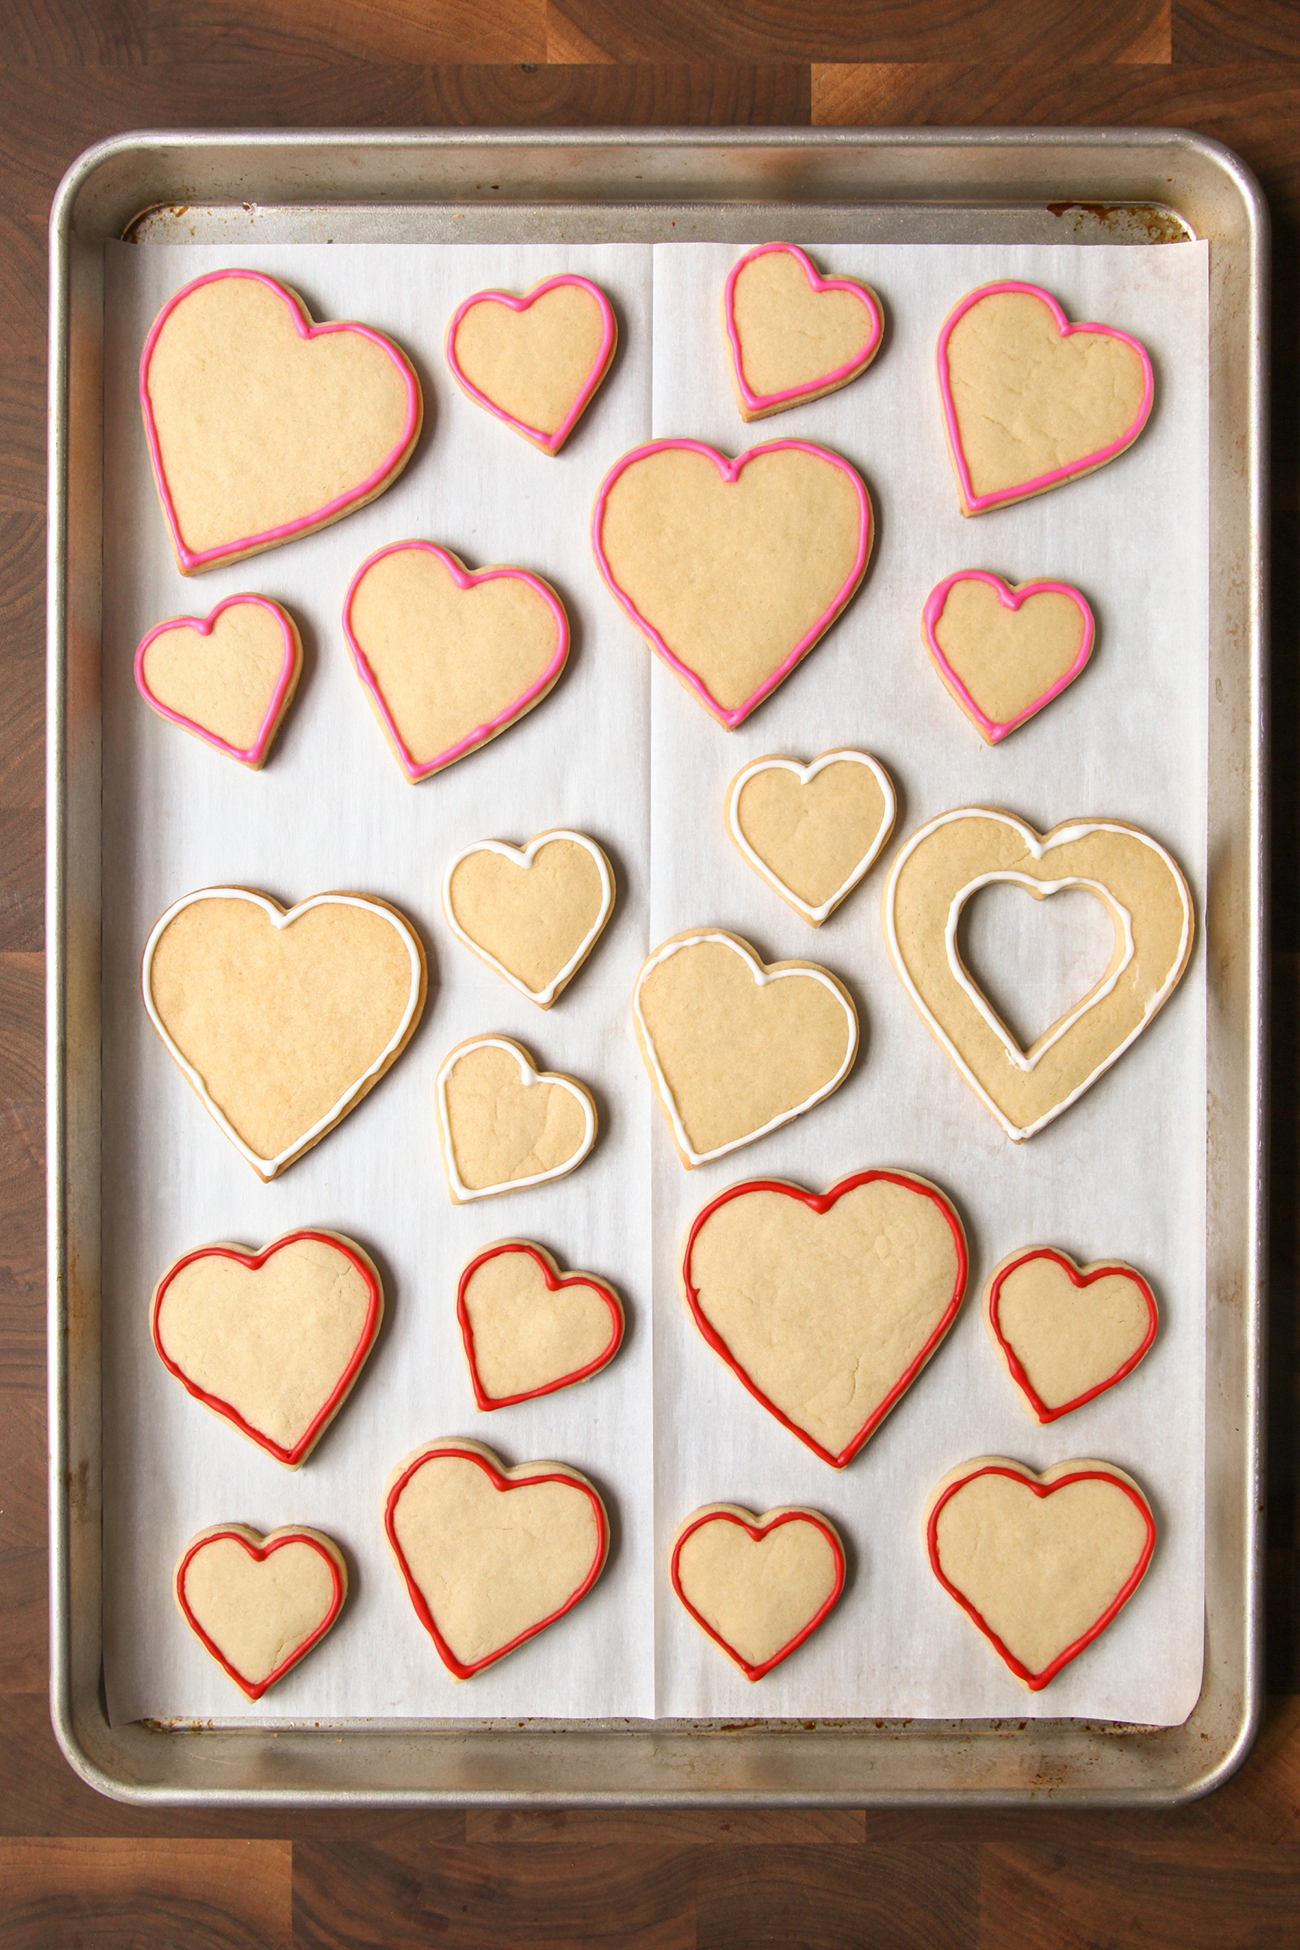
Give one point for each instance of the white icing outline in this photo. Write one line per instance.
(267, 1168)
(804, 773)
(523, 856)
(529, 1075)
(760, 976)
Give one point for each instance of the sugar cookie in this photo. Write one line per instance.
(536, 361)
(793, 335)
(812, 831)
(532, 913)
(529, 1329)
(757, 1586)
(1005, 651)
(1066, 1333)
(503, 1124)
(227, 678)
(259, 1604)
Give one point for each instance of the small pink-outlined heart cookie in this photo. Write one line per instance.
(503, 1123)
(259, 1604)
(1031, 401)
(1066, 1333)
(227, 678)
(450, 657)
(793, 335)
(534, 361)
(812, 831)
(1005, 650)
(528, 1329)
(1040, 1565)
(757, 1586)
(262, 426)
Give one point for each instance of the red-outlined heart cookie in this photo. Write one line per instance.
(535, 931)
(534, 361)
(528, 1329)
(757, 1586)
(485, 1577)
(227, 678)
(813, 846)
(1004, 651)
(503, 1123)
(1066, 1333)
(262, 426)
(793, 335)
(1039, 1564)
(259, 1604)
(826, 1306)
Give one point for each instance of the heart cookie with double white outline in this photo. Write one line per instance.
(227, 678)
(793, 335)
(812, 831)
(1004, 652)
(259, 1604)
(528, 1329)
(1066, 1333)
(534, 361)
(757, 1586)
(503, 1123)
(532, 913)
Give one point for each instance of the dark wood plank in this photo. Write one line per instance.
(665, 1828)
(73, 33)
(22, 660)
(22, 435)
(366, 30)
(841, 1899)
(148, 1895)
(1207, 32)
(596, 95)
(22, 888)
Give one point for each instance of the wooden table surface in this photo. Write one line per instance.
(76, 1869)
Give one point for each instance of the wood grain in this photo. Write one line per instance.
(366, 30)
(120, 1895)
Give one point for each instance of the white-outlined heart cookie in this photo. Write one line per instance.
(1066, 1333)
(259, 1604)
(534, 361)
(948, 860)
(757, 1586)
(1005, 651)
(528, 1329)
(736, 1047)
(532, 913)
(227, 678)
(793, 335)
(504, 1124)
(812, 831)
(282, 1019)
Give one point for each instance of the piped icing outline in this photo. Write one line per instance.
(529, 1075)
(268, 1168)
(1010, 597)
(1042, 1486)
(729, 470)
(253, 1263)
(523, 856)
(757, 1529)
(502, 1480)
(760, 974)
(1079, 1278)
(975, 504)
(191, 559)
(272, 1541)
(760, 404)
(554, 1283)
(202, 626)
(463, 578)
(821, 1203)
(549, 443)
(779, 762)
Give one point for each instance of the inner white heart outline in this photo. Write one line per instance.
(804, 773)
(523, 856)
(528, 1076)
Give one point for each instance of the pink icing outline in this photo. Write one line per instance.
(994, 729)
(550, 442)
(463, 579)
(1021, 491)
(729, 470)
(202, 626)
(246, 545)
(756, 402)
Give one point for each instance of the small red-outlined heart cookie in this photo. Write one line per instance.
(758, 1586)
(826, 1306)
(271, 1341)
(1065, 1333)
(1031, 401)
(262, 426)
(532, 913)
(732, 569)
(1005, 651)
(812, 831)
(227, 678)
(259, 1604)
(491, 1556)
(534, 361)
(503, 1123)
(1040, 1564)
(529, 1329)
(448, 657)
(793, 335)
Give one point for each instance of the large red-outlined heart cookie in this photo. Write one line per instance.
(534, 361)
(259, 1604)
(1065, 1333)
(529, 1329)
(758, 1586)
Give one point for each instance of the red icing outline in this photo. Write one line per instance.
(260, 1552)
(1037, 1681)
(821, 1203)
(553, 1285)
(1078, 1280)
(253, 1262)
(758, 1532)
(835, 376)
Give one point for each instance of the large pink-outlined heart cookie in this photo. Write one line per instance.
(1005, 651)
(732, 569)
(528, 1329)
(1066, 1333)
(263, 426)
(259, 1604)
(757, 1586)
(227, 678)
(534, 361)
(793, 335)
(1029, 400)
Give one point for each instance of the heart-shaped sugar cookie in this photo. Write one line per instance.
(812, 831)
(758, 1586)
(450, 659)
(532, 913)
(259, 1604)
(793, 335)
(1066, 1333)
(736, 1047)
(228, 677)
(282, 1020)
(534, 361)
(273, 1341)
(529, 1329)
(1040, 1564)
(1005, 652)
(732, 569)
(491, 1556)
(262, 426)
(826, 1306)
(950, 858)
(1031, 401)
(504, 1124)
